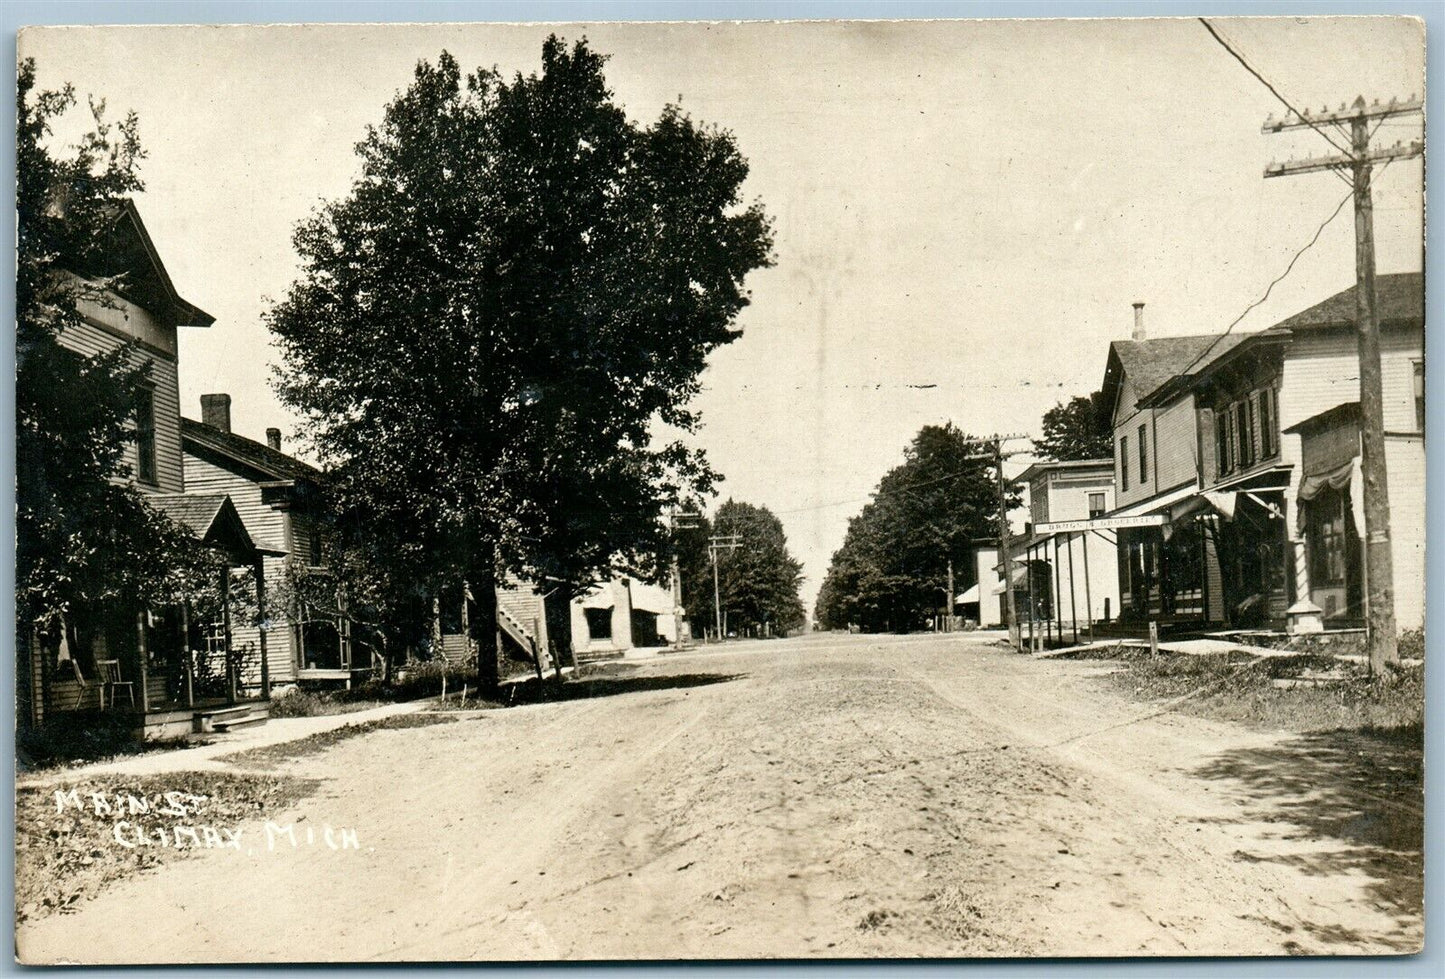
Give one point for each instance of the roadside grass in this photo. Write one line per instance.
(1306, 692)
(271, 754)
(69, 739)
(322, 703)
(64, 855)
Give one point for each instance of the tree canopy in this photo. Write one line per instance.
(892, 570)
(758, 581)
(84, 535)
(1081, 429)
(519, 289)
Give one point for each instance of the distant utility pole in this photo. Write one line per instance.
(998, 456)
(678, 521)
(721, 542)
(949, 619)
(1379, 563)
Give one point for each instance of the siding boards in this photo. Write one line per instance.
(1176, 443)
(91, 340)
(269, 528)
(1321, 370)
(1405, 463)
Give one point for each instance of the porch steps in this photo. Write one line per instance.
(237, 718)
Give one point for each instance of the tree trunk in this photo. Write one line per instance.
(558, 609)
(483, 626)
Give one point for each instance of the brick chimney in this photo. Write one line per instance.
(216, 411)
(273, 438)
(1139, 321)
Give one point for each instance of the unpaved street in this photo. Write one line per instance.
(830, 796)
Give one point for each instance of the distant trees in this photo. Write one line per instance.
(758, 581)
(489, 327)
(891, 572)
(1081, 429)
(84, 535)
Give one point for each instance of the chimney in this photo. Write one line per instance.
(216, 411)
(1139, 321)
(273, 438)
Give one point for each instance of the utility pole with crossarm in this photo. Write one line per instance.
(1379, 559)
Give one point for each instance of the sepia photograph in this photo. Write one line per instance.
(649, 491)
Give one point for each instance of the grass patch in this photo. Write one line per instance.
(313, 703)
(316, 743)
(1307, 692)
(78, 738)
(65, 857)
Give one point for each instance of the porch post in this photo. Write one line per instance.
(1073, 605)
(187, 661)
(226, 634)
(1058, 589)
(263, 625)
(1088, 599)
(142, 654)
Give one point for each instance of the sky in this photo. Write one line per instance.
(964, 211)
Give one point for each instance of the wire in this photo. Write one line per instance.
(1278, 279)
(1265, 82)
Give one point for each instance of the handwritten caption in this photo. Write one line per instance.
(171, 820)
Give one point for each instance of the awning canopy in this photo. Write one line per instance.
(1020, 577)
(967, 597)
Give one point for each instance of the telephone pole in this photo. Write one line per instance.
(949, 618)
(721, 542)
(1359, 162)
(998, 456)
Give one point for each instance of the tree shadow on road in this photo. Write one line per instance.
(610, 684)
(1358, 795)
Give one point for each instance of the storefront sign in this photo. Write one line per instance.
(1101, 523)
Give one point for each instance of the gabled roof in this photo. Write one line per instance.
(213, 518)
(1399, 298)
(1150, 363)
(257, 456)
(149, 282)
(1217, 359)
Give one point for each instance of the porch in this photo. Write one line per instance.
(163, 672)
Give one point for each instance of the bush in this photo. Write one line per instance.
(1412, 644)
(82, 736)
(425, 679)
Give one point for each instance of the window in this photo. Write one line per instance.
(1268, 438)
(1244, 436)
(1419, 368)
(1096, 505)
(1221, 441)
(314, 556)
(1326, 529)
(1143, 455)
(145, 436)
(1124, 461)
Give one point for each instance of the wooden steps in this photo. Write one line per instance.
(232, 718)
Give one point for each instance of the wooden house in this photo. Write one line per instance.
(168, 670)
(1279, 471)
(278, 496)
(1243, 449)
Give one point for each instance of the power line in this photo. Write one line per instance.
(1270, 288)
(1266, 83)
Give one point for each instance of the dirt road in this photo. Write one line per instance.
(831, 796)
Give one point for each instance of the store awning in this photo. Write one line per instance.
(1020, 577)
(1156, 503)
(967, 597)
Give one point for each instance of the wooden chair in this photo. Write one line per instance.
(109, 671)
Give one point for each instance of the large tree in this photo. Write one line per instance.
(758, 581)
(84, 534)
(935, 508)
(489, 328)
(1081, 429)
